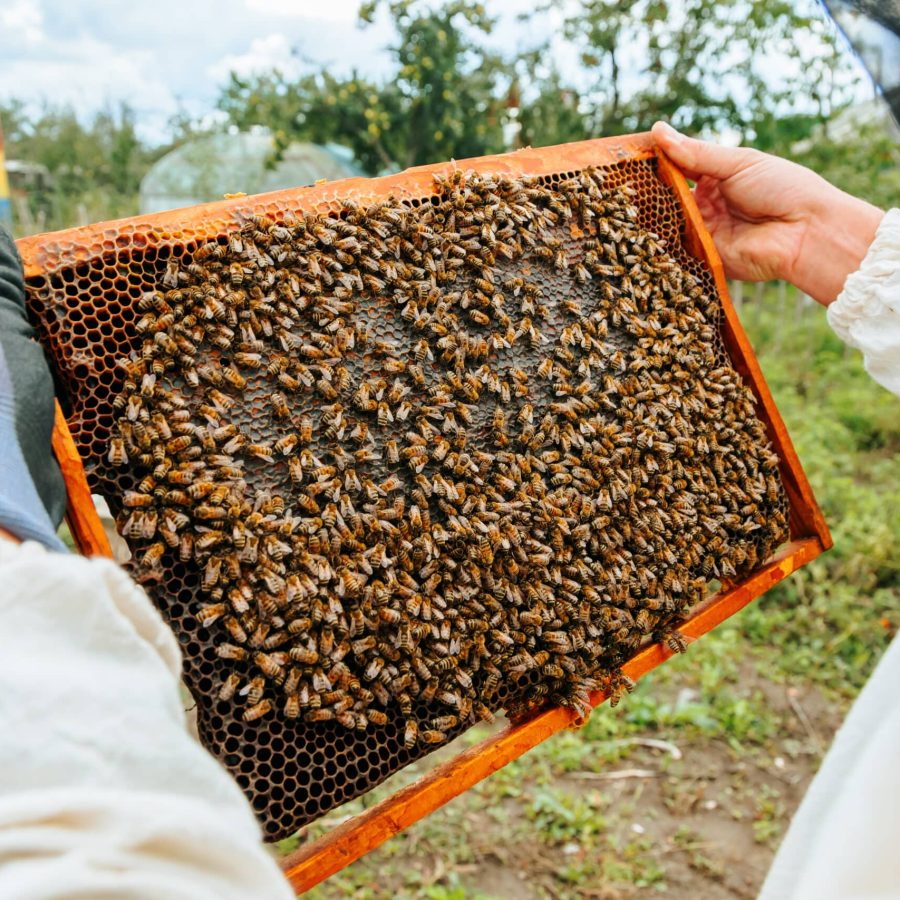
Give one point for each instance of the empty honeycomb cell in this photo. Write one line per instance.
(91, 308)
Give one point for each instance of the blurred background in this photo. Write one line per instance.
(111, 109)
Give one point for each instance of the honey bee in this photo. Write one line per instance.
(211, 572)
(384, 414)
(135, 499)
(303, 654)
(376, 716)
(208, 512)
(221, 401)
(230, 651)
(257, 710)
(254, 360)
(229, 686)
(253, 690)
(444, 723)
(279, 406)
(272, 505)
(210, 613)
(235, 629)
(287, 445)
(152, 557)
(295, 469)
(238, 601)
(178, 444)
(292, 705)
(374, 668)
(186, 547)
(269, 666)
(288, 382)
(260, 451)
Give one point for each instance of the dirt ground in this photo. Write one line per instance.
(658, 811)
(698, 816)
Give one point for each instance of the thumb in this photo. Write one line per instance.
(697, 158)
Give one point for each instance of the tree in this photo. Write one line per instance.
(552, 112)
(444, 98)
(95, 167)
(769, 69)
(867, 166)
(317, 107)
(762, 67)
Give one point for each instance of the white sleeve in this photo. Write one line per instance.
(842, 842)
(866, 314)
(103, 792)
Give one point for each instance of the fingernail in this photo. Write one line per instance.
(671, 134)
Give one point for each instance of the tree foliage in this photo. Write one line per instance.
(765, 68)
(553, 111)
(95, 166)
(770, 70)
(867, 166)
(444, 98)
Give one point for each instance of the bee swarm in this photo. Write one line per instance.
(488, 488)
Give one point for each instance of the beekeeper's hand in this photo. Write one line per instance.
(771, 218)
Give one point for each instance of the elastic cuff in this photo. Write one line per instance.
(874, 288)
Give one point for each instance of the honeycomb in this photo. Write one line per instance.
(100, 312)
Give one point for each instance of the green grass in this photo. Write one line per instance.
(830, 622)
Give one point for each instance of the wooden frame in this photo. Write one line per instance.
(315, 862)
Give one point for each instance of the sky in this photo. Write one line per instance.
(165, 55)
(168, 56)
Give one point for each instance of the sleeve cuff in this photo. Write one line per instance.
(873, 290)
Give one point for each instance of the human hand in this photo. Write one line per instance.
(771, 218)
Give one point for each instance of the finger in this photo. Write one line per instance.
(708, 194)
(706, 207)
(697, 158)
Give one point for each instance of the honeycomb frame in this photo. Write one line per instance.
(56, 262)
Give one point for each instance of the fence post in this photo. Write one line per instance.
(780, 307)
(759, 295)
(799, 303)
(737, 296)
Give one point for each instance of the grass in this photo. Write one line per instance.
(731, 703)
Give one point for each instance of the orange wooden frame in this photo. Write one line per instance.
(315, 862)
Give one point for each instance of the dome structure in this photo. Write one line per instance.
(208, 167)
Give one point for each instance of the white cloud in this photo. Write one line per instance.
(95, 53)
(24, 20)
(273, 51)
(342, 12)
(168, 54)
(87, 74)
